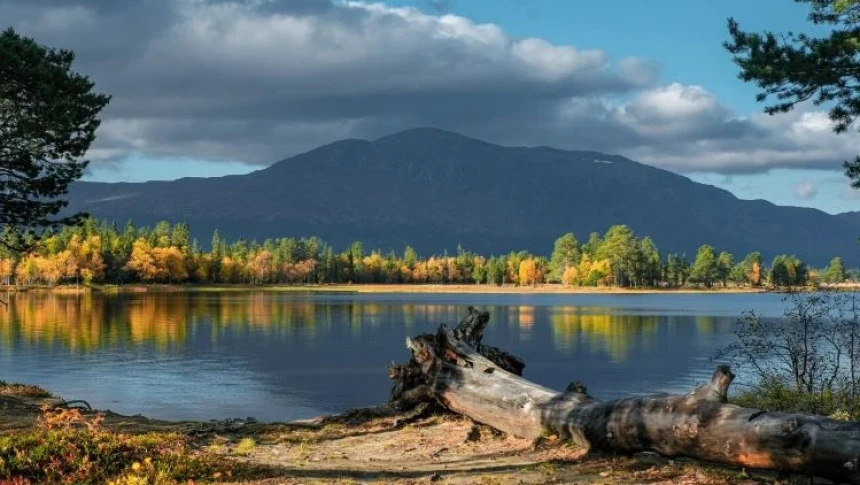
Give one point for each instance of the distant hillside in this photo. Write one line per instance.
(434, 189)
(851, 217)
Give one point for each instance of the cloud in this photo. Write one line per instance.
(255, 81)
(805, 190)
(686, 129)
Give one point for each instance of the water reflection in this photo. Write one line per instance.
(292, 355)
(611, 333)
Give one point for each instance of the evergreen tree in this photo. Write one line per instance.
(754, 265)
(48, 118)
(650, 269)
(677, 270)
(705, 270)
(410, 257)
(835, 272)
(794, 68)
(179, 236)
(479, 274)
(787, 271)
(565, 254)
(621, 248)
(725, 264)
(739, 274)
(593, 245)
(356, 261)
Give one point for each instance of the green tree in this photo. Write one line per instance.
(328, 268)
(566, 253)
(180, 236)
(705, 269)
(835, 271)
(738, 274)
(593, 244)
(650, 267)
(160, 235)
(496, 271)
(465, 262)
(356, 262)
(794, 68)
(410, 257)
(621, 248)
(479, 274)
(313, 246)
(725, 264)
(787, 271)
(754, 265)
(48, 118)
(677, 270)
(215, 247)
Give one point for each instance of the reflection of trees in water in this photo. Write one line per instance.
(613, 334)
(526, 316)
(706, 325)
(525, 320)
(45, 319)
(86, 322)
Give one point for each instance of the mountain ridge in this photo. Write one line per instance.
(435, 189)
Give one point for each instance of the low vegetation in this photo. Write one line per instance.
(806, 361)
(67, 447)
(22, 390)
(99, 253)
(378, 451)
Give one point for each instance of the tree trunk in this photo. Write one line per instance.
(484, 383)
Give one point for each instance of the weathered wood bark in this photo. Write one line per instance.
(700, 424)
(411, 379)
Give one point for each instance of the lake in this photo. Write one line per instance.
(281, 356)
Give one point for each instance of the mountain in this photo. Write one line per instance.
(434, 189)
(852, 217)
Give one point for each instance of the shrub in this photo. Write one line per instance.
(807, 361)
(246, 446)
(775, 395)
(67, 447)
(23, 390)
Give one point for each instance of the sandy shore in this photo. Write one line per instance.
(381, 451)
(391, 288)
(540, 289)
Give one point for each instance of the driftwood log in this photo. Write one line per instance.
(458, 372)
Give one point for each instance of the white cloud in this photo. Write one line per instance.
(805, 190)
(258, 80)
(220, 78)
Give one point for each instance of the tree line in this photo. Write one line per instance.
(98, 252)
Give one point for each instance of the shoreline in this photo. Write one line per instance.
(391, 288)
(395, 450)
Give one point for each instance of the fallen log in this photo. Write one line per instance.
(485, 384)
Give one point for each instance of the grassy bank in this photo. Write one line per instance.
(41, 445)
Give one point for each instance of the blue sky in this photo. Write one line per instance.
(682, 38)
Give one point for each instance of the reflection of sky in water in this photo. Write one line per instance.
(283, 356)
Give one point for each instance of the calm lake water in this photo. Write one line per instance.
(286, 356)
